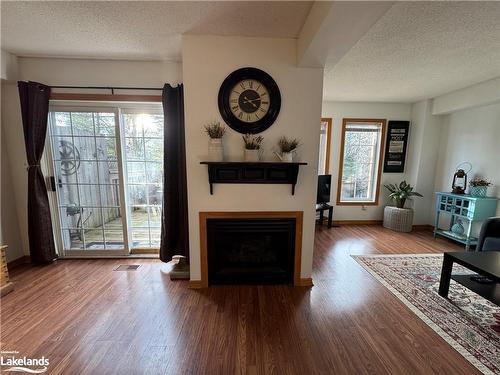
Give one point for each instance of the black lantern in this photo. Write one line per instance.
(460, 179)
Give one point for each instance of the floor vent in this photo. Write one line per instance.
(127, 267)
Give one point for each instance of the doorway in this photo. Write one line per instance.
(107, 168)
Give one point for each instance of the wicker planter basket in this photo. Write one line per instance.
(398, 219)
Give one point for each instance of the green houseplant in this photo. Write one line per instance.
(400, 193)
(399, 218)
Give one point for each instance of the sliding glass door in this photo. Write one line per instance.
(144, 181)
(107, 164)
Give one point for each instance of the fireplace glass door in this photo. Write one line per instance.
(253, 251)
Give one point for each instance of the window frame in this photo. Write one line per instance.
(345, 121)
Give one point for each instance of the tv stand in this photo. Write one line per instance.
(321, 207)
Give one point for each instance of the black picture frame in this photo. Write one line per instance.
(224, 104)
(395, 146)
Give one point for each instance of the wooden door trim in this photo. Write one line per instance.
(105, 97)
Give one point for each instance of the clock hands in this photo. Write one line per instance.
(251, 101)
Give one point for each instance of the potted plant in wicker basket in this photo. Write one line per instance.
(479, 187)
(399, 218)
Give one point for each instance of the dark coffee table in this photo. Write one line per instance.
(485, 263)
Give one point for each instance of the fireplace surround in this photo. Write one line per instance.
(278, 260)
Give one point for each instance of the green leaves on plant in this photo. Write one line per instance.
(401, 191)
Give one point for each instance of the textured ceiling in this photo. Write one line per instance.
(419, 50)
(138, 30)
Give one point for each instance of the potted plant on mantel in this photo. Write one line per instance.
(287, 148)
(215, 132)
(399, 218)
(253, 144)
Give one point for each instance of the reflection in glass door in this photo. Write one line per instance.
(87, 173)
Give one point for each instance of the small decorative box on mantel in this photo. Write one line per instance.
(262, 172)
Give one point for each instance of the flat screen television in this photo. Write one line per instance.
(324, 183)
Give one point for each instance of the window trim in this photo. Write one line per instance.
(345, 121)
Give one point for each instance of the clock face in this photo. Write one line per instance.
(249, 100)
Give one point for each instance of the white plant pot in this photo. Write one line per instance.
(215, 149)
(398, 219)
(252, 155)
(287, 157)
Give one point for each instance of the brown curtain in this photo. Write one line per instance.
(34, 110)
(174, 224)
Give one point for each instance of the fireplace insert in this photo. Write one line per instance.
(250, 251)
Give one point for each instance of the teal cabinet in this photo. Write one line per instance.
(465, 207)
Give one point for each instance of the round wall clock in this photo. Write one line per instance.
(249, 100)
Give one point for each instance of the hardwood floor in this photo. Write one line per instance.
(88, 319)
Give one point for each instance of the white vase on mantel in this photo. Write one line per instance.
(252, 155)
(215, 149)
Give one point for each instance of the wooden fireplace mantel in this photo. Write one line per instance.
(204, 216)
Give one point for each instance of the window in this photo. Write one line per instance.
(360, 161)
(108, 165)
(324, 146)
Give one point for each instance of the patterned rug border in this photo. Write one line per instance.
(459, 348)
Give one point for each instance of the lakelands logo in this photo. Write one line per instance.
(23, 364)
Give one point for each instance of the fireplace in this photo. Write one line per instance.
(250, 248)
(255, 251)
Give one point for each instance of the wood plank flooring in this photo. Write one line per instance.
(88, 319)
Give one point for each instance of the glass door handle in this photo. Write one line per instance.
(52, 183)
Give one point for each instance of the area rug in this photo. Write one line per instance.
(468, 322)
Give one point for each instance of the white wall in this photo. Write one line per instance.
(80, 72)
(206, 63)
(8, 66)
(471, 135)
(66, 72)
(341, 110)
(480, 94)
(423, 151)
(9, 224)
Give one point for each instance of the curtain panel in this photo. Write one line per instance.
(34, 99)
(174, 224)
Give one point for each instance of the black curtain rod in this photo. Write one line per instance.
(107, 88)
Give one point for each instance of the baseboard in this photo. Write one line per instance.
(18, 262)
(307, 281)
(357, 222)
(196, 284)
(424, 227)
(5, 289)
(144, 251)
